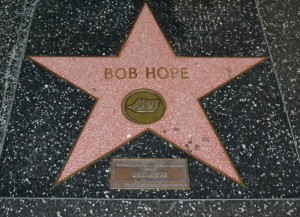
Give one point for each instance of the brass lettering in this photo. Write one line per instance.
(184, 73)
(174, 72)
(160, 72)
(151, 73)
(148, 73)
(121, 75)
(132, 73)
(108, 73)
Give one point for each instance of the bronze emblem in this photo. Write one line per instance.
(144, 106)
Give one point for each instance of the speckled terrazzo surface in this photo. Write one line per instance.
(48, 113)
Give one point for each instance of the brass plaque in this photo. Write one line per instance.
(144, 106)
(149, 174)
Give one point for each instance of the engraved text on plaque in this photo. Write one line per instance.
(149, 174)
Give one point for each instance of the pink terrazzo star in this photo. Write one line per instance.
(184, 124)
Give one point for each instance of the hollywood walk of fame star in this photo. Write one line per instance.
(184, 121)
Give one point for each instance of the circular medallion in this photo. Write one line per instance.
(144, 106)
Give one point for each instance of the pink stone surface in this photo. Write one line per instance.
(107, 128)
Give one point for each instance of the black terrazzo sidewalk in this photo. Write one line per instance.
(259, 131)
